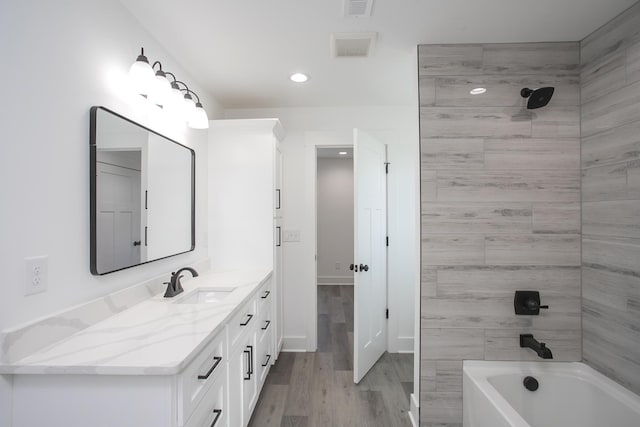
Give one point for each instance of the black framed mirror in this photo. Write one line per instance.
(142, 194)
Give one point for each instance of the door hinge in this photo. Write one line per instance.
(387, 240)
(386, 313)
(386, 167)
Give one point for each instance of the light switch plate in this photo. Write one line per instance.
(291, 236)
(36, 270)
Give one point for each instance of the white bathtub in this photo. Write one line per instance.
(569, 395)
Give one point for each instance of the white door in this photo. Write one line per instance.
(118, 228)
(370, 280)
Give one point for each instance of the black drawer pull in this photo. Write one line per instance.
(251, 359)
(248, 373)
(266, 325)
(217, 360)
(218, 413)
(266, 362)
(266, 294)
(249, 317)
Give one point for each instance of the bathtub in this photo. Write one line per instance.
(569, 395)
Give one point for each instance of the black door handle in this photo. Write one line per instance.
(137, 243)
(353, 267)
(364, 267)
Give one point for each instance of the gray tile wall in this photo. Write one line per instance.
(610, 87)
(500, 210)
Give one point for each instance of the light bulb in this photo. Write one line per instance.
(160, 93)
(188, 105)
(141, 75)
(198, 118)
(175, 104)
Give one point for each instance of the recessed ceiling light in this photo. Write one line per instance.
(342, 153)
(478, 91)
(299, 78)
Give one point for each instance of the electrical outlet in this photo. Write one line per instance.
(35, 274)
(338, 266)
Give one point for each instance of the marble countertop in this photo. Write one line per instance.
(159, 336)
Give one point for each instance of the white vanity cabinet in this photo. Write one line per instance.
(218, 387)
(193, 398)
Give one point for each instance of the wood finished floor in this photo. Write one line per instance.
(317, 389)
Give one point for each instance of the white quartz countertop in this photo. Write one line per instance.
(159, 336)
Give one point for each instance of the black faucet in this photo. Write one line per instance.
(528, 341)
(174, 287)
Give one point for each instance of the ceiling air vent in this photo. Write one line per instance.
(352, 45)
(357, 8)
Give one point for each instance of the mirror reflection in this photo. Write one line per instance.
(142, 201)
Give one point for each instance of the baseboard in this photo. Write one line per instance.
(402, 345)
(335, 280)
(294, 344)
(414, 412)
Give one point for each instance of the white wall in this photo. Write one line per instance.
(58, 60)
(306, 127)
(335, 220)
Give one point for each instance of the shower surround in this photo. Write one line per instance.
(611, 198)
(500, 210)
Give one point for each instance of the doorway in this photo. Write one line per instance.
(335, 253)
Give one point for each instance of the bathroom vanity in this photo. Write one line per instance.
(199, 359)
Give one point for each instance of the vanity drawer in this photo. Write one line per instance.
(243, 320)
(211, 411)
(264, 295)
(196, 379)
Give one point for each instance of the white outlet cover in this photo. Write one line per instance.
(35, 274)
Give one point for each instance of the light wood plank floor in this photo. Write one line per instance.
(317, 389)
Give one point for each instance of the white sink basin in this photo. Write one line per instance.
(205, 296)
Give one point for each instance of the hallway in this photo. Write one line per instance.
(317, 389)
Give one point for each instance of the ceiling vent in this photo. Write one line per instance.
(357, 8)
(352, 45)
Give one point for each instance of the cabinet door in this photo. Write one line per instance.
(242, 381)
(249, 380)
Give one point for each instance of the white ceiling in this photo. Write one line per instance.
(244, 50)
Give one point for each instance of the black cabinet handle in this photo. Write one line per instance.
(216, 362)
(364, 267)
(248, 373)
(266, 325)
(279, 236)
(266, 362)
(137, 243)
(249, 317)
(218, 413)
(278, 199)
(266, 294)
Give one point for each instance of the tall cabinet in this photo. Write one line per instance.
(245, 202)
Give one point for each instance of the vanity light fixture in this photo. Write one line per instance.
(298, 77)
(141, 74)
(342, 153)
(478, 91)
(155, 86)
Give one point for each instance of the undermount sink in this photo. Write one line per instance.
(205, 296)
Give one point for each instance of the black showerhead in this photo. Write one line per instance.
(537, 97)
